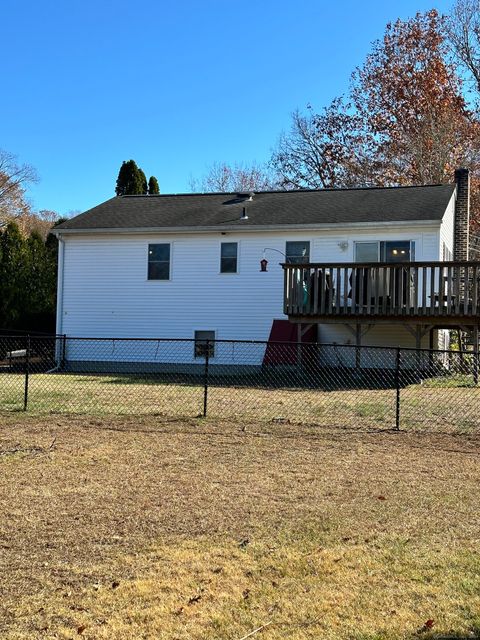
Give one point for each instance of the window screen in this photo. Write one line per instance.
(297, 252)
(202, 346)
(228, 257)
(158, 261)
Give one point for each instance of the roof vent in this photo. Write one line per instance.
(246, 195)
(244, 214)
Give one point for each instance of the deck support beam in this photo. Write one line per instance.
(430, 346)
(418, 331)
(301, 331)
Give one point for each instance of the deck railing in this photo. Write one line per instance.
(408, 289)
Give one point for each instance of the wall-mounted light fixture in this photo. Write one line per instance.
(343, 244)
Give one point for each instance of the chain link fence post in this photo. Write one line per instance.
(397, 389)
(205, 378)
(64, 351)
(27, 374)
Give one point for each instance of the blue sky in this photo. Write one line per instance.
(174, 85)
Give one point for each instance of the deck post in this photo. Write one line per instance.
(299, 345)
(418, 336)
(430, 346)
(418, 345)
(418, 331)
(461, 346)
(358, 343)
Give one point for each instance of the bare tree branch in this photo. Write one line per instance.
(225, 178)
(322, 150)
(463, 31)
(14, 179)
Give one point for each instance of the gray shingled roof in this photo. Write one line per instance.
(267, 208)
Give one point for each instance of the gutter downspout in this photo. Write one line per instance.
(59, 317)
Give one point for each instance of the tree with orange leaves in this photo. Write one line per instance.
(409, 97)
(405, 121)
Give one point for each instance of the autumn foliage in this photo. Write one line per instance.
(404, 121)
(410, 100)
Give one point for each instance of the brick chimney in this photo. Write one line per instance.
(462, 215)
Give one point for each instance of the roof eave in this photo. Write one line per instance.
(249, 228)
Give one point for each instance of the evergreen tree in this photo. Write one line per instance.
(39, 285)
(143, 179)
(153, 188)
(28, 280)
(13, 275)
(131, 180)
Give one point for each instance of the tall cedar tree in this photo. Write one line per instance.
(27, 280)
(143, 178)
(153, 188)
(131, 180)
(13, 275)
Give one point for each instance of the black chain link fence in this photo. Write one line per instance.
(319, 384)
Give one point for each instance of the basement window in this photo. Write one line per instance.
(204, 343)
(159, 261)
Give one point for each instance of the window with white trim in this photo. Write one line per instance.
(297, 252)
(228, 257)
(159, 261)
(389, 251)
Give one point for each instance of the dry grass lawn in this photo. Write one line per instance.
(126, 528)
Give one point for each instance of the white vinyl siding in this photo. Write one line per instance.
(106, 291)
(447, 230)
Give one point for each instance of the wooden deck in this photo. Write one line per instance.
(438, 293)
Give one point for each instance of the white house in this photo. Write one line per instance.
(188, 266)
